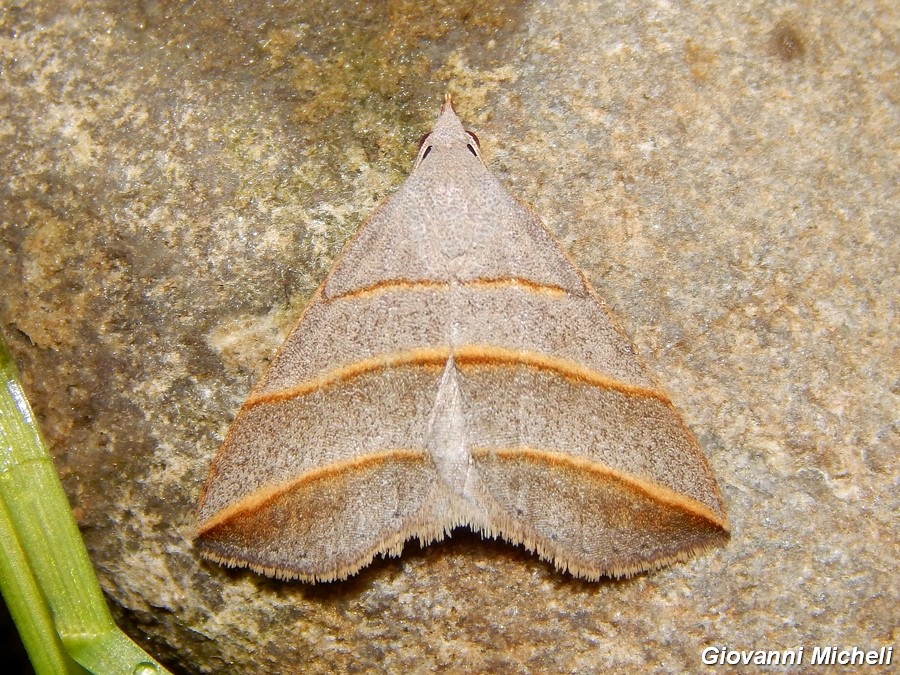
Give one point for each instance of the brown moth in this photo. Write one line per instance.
(454, 368)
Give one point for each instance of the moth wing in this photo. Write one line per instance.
(588, 519)
(579, 453)
(326, 465)
(329, 524)
(576, 451)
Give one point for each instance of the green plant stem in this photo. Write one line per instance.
(50, 574)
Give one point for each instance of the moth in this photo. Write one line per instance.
(455, 369)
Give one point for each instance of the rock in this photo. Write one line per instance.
(179, 178)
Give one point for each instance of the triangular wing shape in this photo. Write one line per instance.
(455, 368)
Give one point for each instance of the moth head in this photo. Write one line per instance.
(448, 137)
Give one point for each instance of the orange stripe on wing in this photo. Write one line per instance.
(389, 285)
(474, 356)
(650, 489)
(488, 355)
(261, 498)
(426, 357)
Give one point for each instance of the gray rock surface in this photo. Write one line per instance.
(177, 179)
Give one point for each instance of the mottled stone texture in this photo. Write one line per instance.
(178, 177)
